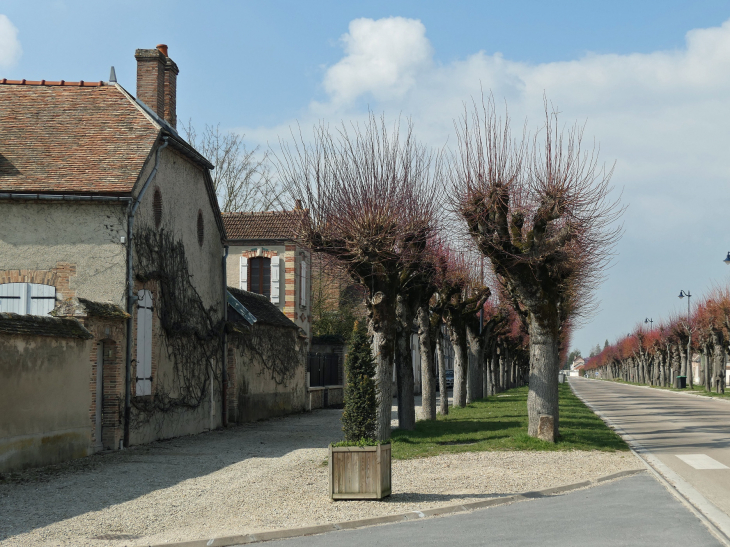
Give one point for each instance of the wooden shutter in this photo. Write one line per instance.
(303, 299)
(13, 298)
(275, 279)
(42, 299)
(144, 343)
(243, 279)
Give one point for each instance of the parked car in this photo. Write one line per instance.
(449, 379)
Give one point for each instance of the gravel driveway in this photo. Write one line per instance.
(254, 477)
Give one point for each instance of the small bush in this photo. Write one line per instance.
(359, 416)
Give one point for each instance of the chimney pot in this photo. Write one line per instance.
(162, 48)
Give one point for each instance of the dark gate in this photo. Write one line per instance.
(324, 369)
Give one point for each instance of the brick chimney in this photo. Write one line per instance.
(157, 82)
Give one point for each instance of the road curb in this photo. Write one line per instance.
(717, 522)
(286, 533)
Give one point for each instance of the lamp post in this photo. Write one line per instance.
(651, 323)
(688, 371)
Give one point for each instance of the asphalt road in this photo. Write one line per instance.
(690, 435)
(633, 511)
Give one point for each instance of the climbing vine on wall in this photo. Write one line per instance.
(266, 345)
(192, 332)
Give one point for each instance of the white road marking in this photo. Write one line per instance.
(701, 461)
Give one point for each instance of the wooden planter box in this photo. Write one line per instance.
(359, 473)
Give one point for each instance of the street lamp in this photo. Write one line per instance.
(727, 259)
(682, 294)
(651, 323)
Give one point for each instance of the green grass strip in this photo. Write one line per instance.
(500, 423)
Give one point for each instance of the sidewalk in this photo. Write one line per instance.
(256, 477)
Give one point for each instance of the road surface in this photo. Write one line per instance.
(633, 511)
(689, 435)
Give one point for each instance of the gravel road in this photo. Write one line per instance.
(253, 477)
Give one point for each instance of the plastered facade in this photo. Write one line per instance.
(181, 185)
(75, 246)
(293, 255)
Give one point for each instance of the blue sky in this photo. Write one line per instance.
(655, 97)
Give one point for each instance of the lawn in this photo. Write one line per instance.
(500, 423)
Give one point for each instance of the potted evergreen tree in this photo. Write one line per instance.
(359, 466)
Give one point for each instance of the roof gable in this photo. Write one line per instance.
(71, 139)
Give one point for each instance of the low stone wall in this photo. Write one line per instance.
(267, 376)
(325, 397)
(44, 393)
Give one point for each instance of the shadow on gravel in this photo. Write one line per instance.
(39, 497)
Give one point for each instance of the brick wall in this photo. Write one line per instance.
(59, 277)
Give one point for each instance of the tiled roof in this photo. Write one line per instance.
(36, 325)
(280, 225)
(77, 137)
(262, 309)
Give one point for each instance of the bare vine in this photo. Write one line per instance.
(192, 331)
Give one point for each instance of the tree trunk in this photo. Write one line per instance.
(381, 328)
(475, 343)
(428, 380)
(443, 390)
(404, 368)
(458, 342)
(542, 398)
(690, 372)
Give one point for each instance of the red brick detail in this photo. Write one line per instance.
(254, 254)
(151, 79)
(59, 277)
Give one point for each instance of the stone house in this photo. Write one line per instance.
(110, 217)
(264, 257)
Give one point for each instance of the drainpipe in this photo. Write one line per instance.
(131, 298)
(224, 373)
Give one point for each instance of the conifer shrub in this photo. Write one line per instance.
(359, 416)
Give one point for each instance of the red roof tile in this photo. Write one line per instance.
(280, 225)
(72, 137)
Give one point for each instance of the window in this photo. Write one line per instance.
(201, 228)
(27, 298)
(259, 275)
(157, 207)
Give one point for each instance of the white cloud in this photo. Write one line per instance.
(662, 116)
(10, 50)
(383, 58)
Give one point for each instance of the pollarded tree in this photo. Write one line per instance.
(370, 203)
(539, 209)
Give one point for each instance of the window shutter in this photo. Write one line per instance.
(13, 298)
(275, 279)
(303, 300)
(144, 343)
(42, 299)
(243, 279)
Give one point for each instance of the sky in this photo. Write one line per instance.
(650, 80)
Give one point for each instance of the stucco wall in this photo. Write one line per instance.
(38, 235)
(183, 192)
(44, 408)
(254, 393)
